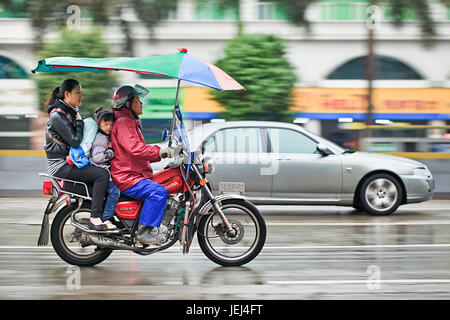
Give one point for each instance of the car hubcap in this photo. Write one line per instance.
(381, 194)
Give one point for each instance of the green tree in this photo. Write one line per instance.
(257, 62)
(97, 86)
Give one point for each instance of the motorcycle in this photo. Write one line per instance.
(230, 230)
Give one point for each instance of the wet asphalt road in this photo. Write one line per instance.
(310, 253)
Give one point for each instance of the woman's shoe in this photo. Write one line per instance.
(96, 226)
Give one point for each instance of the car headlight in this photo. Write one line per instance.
(422, 171)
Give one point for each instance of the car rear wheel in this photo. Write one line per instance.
(381, 194)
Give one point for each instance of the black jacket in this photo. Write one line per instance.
(61, 132)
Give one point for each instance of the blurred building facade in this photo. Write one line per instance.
(412, 81)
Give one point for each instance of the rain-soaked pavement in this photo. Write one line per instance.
(310, 253)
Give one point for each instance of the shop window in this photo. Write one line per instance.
(212, 10)
(408, 14)
(386, 68)
(14, 9)
(268, 10)
(10, 70)
(343, 9)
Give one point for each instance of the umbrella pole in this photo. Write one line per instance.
(172, 127)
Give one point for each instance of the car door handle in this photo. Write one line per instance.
(283, 159)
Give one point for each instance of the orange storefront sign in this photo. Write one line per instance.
(330, 103)
(385, 100)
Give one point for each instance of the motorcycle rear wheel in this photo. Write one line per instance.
(63, 236)
(238, 248)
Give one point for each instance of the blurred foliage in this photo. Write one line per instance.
(296, 10)
(98, 87)
(47, 14)
(257, 62)
(151, 12)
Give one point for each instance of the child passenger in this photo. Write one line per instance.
(100, 156)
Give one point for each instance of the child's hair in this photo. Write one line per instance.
(102, 113)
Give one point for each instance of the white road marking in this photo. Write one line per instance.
(381, 281)
(400, 223)
(287, 246)
(364, 246)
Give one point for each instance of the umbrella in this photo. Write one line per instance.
(180, 65)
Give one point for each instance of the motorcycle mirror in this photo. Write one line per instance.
(164, 135)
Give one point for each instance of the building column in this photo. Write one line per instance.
(314, 126)
(248, 10)
(186, 10)
(436, 133)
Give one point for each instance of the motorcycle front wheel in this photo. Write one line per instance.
(65, 239)
(243, 244)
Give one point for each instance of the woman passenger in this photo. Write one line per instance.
(65, 129)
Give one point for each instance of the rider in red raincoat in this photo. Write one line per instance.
(130, 167)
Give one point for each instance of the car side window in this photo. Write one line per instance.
(235, 140)
(290, 141)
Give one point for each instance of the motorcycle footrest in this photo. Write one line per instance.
(84, 228)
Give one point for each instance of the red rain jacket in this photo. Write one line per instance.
(132, 156)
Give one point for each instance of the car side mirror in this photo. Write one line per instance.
(323, 150)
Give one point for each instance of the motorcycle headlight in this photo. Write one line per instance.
(209, 164)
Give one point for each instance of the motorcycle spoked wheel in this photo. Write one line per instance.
(232, 249)
(64, 239)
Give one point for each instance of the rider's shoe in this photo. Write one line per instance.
(114, 221)
(149, 236)
(110, 225)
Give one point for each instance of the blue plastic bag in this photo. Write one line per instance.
(80, 155)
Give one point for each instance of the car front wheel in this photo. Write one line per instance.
(380, 194)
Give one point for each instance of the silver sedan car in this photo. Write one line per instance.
(282, 163)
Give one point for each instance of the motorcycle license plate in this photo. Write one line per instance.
(232, 187)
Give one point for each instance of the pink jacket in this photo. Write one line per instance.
(132, 156)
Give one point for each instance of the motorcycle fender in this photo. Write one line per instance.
(52, 206)
(56, 205)
(209, 205)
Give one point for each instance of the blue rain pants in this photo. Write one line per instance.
(154, 197)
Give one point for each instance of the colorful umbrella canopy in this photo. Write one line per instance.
(180, 65)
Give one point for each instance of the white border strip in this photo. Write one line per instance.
(357, 281)
(288, 247)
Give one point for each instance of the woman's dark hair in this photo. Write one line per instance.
(58, 92)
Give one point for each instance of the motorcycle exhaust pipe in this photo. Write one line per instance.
(103, 242)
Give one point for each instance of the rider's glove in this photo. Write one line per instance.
(175, 163)
(166, 152)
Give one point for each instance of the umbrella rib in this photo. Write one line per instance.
(110, 69)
